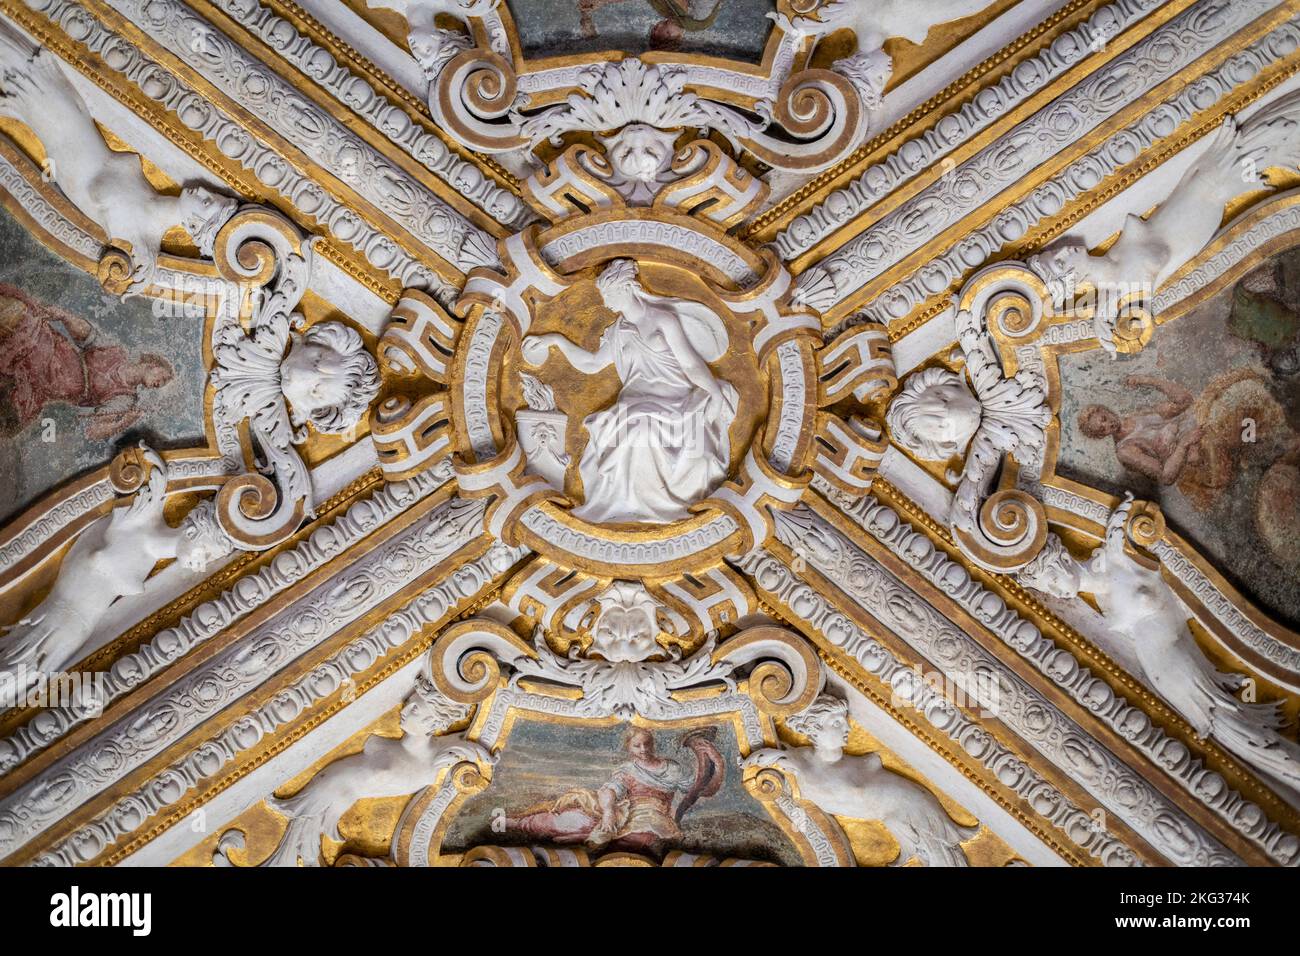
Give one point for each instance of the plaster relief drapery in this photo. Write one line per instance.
(663, 444)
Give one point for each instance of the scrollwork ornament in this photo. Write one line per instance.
(999, 420)
(278, 381)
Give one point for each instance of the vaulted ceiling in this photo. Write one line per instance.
(650, 432)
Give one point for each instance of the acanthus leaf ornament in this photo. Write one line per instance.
(998, 421)
(278, 381)
(796, 118)
(783, 673)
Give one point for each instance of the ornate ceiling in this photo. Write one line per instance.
(650, 432)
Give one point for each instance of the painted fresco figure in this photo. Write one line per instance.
(49, 356)
(1197, 443)
(639, 809)
(679, 18)
(1156, 441)
(1266, 312)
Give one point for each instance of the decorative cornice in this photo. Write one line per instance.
(205, 621)
(147, 730)
(102, 839)
(966, 86)
(399, 122)
(1017, 704)
(1066, 671)
(946, 133)
(860, 269)
(813, 612)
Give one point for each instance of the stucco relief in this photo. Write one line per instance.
(860, 787)
(112, 558)
(663, 412)
(1147, 632)
(109, 187)
(664, 443)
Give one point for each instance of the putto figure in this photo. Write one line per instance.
(664, 444)
(384, 768)
(1148, 634)
(108, 186)
(935, 415)
(1156, 441)
(861, 788)
(112, 558)
(872, 24)
(1154, 247)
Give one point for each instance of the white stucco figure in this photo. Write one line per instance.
(328, 377)
(626, 623)
(663, 445)
(384, 768)
(872, 24)
(861, 788)
(935, 415)
(1148, 634)
(432, 46)
(420, 14)
(112, 558)
(108, 186)
(1151, 250)
(1053, 570)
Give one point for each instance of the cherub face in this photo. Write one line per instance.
(196, 554)
(948, 414)
(1060, 579)
(640, 152)
(313, 377)
(433, 48)
(154, 376)
(198, 203)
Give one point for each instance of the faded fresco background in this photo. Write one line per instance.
(730, 28)
(543, 761)
(82, 373)
(1206, 420)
